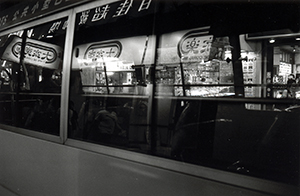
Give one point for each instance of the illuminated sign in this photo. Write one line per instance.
(194, 46)
(96, 51)
(107, 53)
(36, 53)
(285, 68)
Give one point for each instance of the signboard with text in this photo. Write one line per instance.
(36, 53)
(27, 10)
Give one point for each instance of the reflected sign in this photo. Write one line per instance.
(36, 53)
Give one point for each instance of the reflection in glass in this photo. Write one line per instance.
(31, 66)
(173, 94)
(203, 61)
(111, 80)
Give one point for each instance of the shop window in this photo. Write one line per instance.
(31, 65)
(280, 82)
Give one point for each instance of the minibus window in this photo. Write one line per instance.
(31, 73)
(192, 81)
(111, 80)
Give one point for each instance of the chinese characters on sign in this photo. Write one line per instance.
(113, 10)
(29, 9)
(100, 13)
(97, 54)
(37, 53)
(57, 25)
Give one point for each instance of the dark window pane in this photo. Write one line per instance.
(31, 77)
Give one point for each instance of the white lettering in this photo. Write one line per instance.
(15, 17)
(57, 2)
(65, 25)
(30, 32)
(46, 4)
(3, 20)
(144, 5)
(35, 7)
(54, 27)
(84, 16)
(25, 11)
(123, 8)
(100, 13)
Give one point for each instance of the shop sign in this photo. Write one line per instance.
(36, 53)
(285, 68)
(195, 46)
(106, 54)
(116, 55)
(104, 50)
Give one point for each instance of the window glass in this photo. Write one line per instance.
(31, 65)
(110, 80)
(211, 94)
(182, 84)
(281, 80)
(203, 61)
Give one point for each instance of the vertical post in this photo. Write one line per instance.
(182, 78)
(66, 72)
(237, 66)
(269, 74)
(154, 111)
(17, 110)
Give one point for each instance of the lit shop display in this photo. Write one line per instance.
(199, 59)
(250, 70)
(285, 83)
(114, 67)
